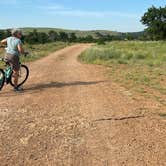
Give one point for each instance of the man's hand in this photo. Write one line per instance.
(3, 42)
(2, 45)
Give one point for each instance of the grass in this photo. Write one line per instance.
(38, 51)
(162, 115)
(138, 66)
(150, 53)
(41, 50)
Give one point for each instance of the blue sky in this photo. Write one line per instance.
(116, 15)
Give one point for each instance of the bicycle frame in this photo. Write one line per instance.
(8, 71)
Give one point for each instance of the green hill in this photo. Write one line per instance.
(79, 33)
(84, 33)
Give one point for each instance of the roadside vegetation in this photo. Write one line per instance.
(138, 66)
(139, 62)
(38, 51)
(127, 52)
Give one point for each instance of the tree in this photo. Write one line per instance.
(8, 33)
(42, 37)
(89, 38)
(99, 35)
(2, 34)
(53, 36)
(73, 37)
(5, 33)
(129, 36)
(155, 21)
(63, 36)
(32, 37)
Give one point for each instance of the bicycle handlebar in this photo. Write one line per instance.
(2, 46)
(25, 54)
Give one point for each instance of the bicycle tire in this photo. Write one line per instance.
(2, 80)
(24, 80)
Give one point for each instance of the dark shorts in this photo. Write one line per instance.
(13, 60)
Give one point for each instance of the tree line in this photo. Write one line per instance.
(36, 37)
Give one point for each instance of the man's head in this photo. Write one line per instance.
(16, 33)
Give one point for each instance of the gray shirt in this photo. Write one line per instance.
(12, 45)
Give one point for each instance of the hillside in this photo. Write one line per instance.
(84, 33)
(79, 33)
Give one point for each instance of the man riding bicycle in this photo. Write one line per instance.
(13, 51)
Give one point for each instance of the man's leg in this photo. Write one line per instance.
(15, 77)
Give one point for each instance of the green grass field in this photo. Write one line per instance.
(149, 53)
(38, 51)
(138, 66)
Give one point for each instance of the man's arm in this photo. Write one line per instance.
(20, 48)
(3, 42)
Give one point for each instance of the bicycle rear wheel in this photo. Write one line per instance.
(23, 76)
(2, 78)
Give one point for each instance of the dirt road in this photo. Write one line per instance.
(72, 114)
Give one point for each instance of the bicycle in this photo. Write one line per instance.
(6, 75)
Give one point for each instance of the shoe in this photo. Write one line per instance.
(18, 89)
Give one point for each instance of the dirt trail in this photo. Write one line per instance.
(72, 114)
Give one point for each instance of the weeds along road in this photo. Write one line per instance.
(72, 114)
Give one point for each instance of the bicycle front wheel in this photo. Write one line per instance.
(2, 78)
(22, 77)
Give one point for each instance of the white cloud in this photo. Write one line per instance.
(52, 7)
(57, 9)
(81, 13)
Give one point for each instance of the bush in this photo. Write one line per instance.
(101, 42)
(140, 56)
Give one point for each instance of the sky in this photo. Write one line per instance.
(115, 15)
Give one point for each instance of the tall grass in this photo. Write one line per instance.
(136, 65)
(150, 53)
(41, 50)
(38, 51)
